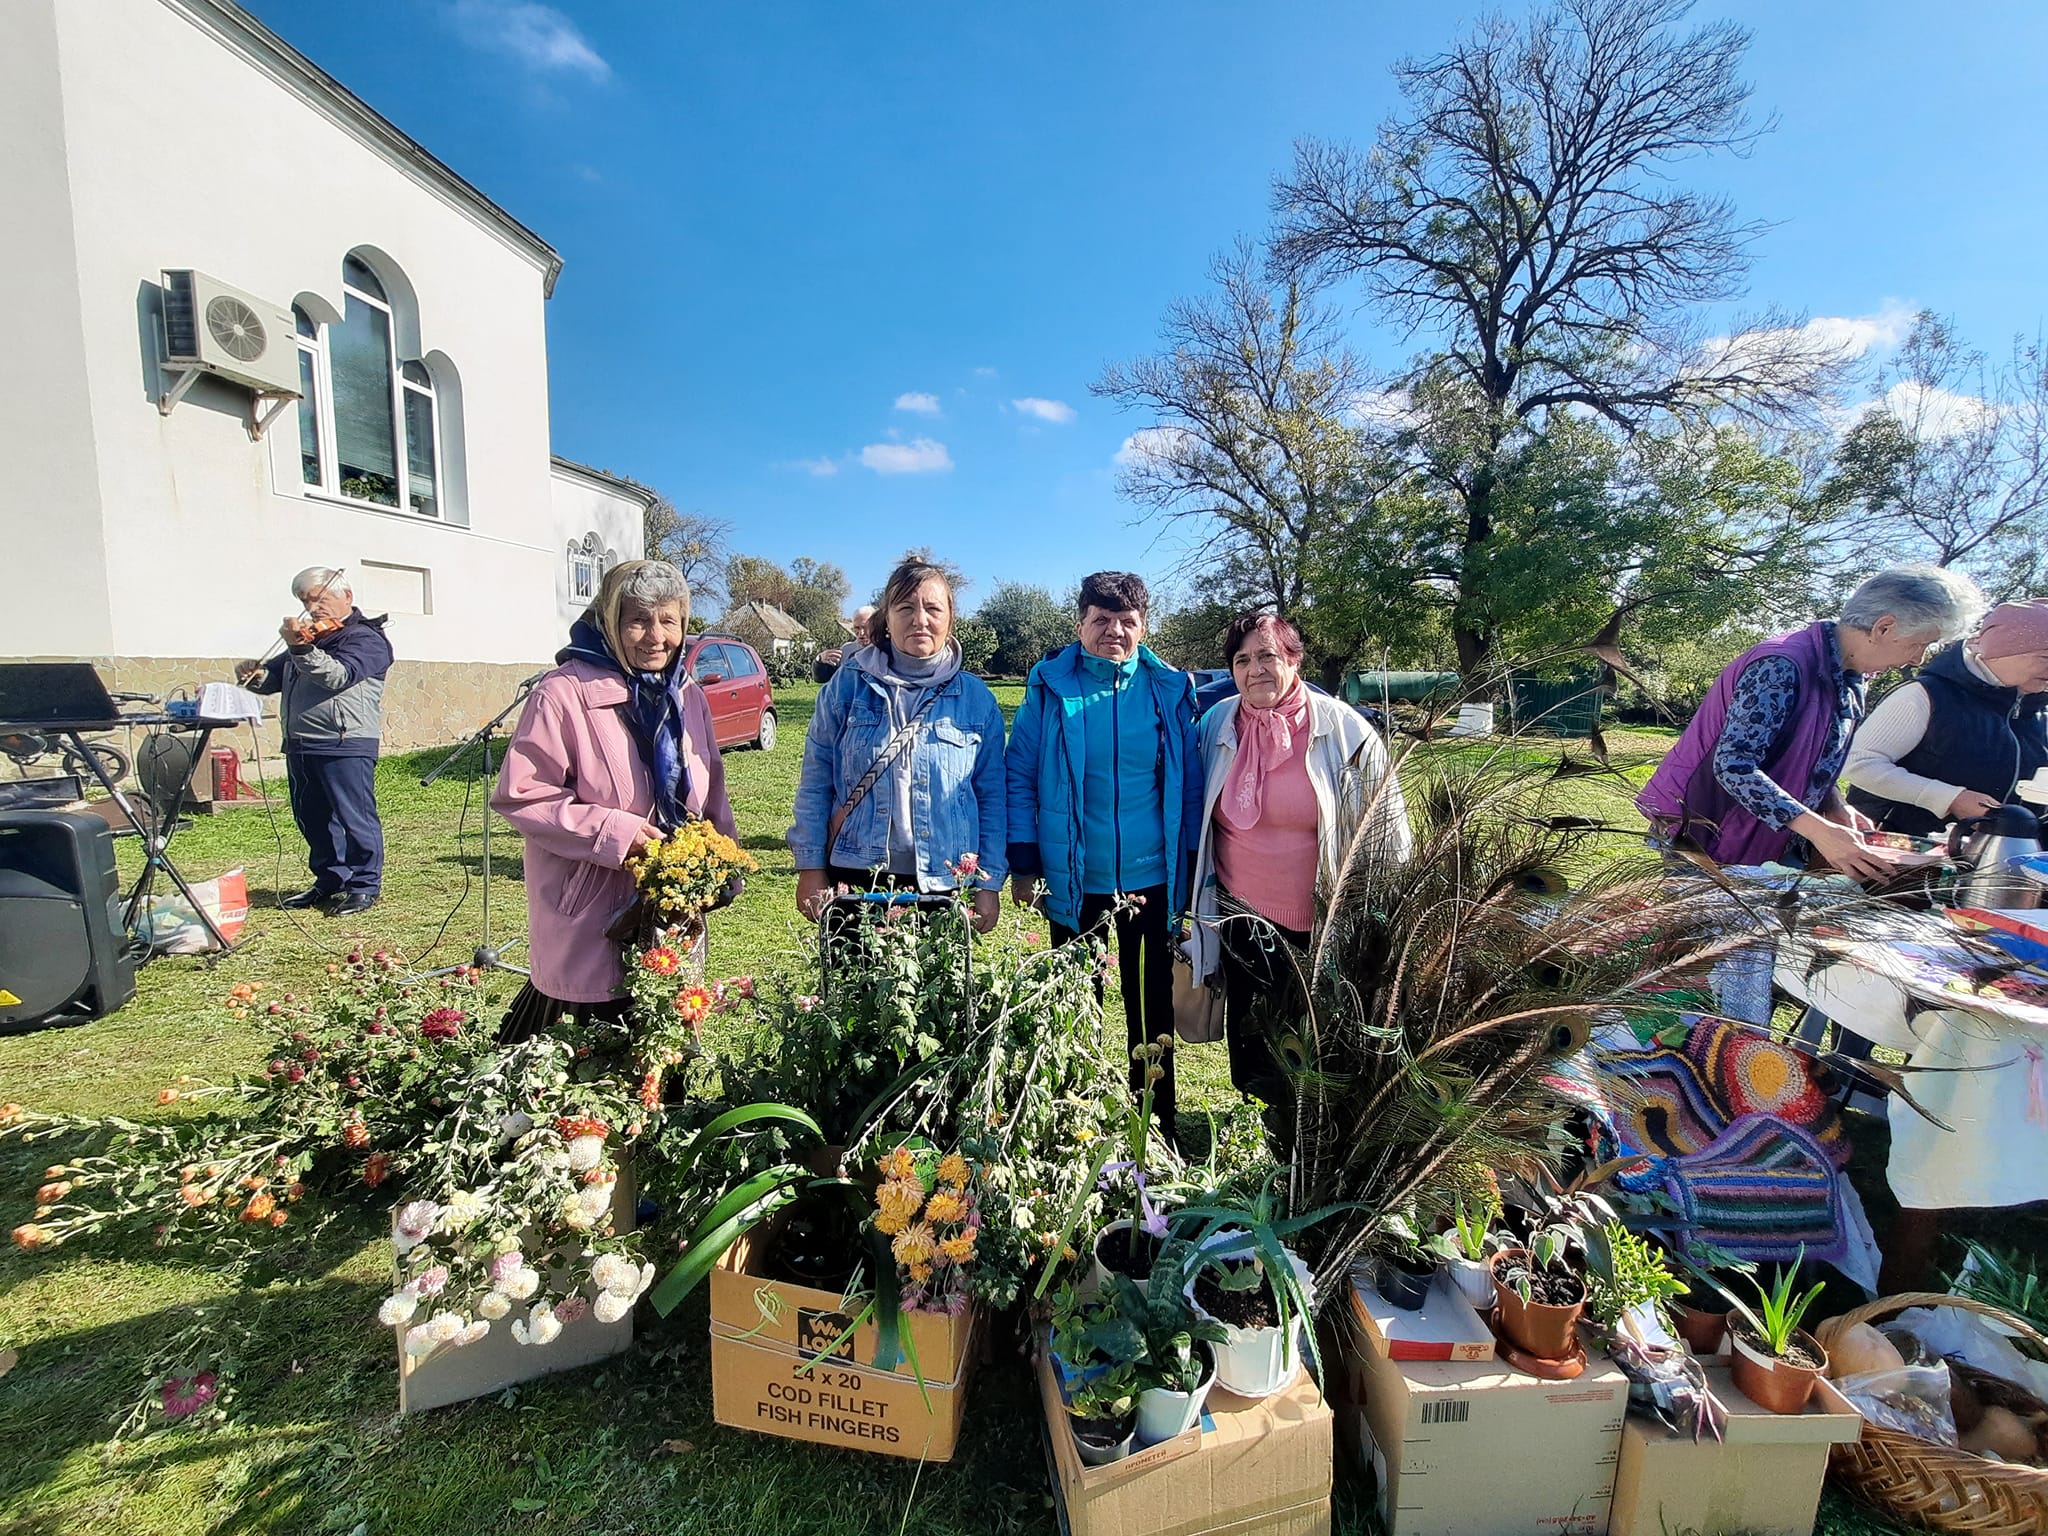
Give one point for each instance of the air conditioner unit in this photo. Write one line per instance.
(215, 329)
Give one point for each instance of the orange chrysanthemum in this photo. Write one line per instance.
(953, 1170)
(899, 1164)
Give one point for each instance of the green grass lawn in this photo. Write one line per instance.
(315, 1444)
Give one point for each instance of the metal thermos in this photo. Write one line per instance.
(1983, 847)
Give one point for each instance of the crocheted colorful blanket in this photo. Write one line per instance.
(1746, 1148)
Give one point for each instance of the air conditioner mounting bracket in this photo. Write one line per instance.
(186, 378)
(262, 415)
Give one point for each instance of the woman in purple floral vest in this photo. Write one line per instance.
(1753, 779)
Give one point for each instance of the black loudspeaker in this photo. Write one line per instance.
(63, 955)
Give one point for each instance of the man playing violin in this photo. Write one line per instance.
(331, 682)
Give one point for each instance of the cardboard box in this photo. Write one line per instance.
(1763, 1476)
(497, 1360)
(1250, 1466)
(786, 1361)
(1445, 1327)
(1480, 1449)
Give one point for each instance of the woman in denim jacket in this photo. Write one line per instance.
(933, 818)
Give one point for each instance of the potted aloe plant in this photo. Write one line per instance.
(1776, 1362)
(1244, 1276)
(1463, 1247)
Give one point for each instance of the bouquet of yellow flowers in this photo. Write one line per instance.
(685, 874)
(930, 1209)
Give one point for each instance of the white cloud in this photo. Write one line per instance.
(1057, 411)
(1389, 410)
(919, 401)
(538, 36)
(1936, 412)
(984, 372)
(1855, 335)
(1150, 445)
(919, 456)
(820, 467)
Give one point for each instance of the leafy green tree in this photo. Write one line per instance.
(1521, 218)
(751, 579)
(818, 594)
(1027, 623)
(1951, 463)
(977, 644)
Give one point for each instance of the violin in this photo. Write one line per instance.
(302, 630)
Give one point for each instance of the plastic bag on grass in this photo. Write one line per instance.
(173, 927)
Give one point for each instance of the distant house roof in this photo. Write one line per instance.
(646, 495)
(779, 625)
(253, 41)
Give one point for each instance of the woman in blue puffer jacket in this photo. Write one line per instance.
(1105, 802)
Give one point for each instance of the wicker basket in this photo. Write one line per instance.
(1938, 1487)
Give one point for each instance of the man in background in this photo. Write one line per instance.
(827, 661)
(330, 683)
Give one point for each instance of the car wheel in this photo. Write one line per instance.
(766, 739)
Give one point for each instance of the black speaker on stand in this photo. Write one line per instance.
(64, 958)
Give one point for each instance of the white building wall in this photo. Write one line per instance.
(54, 593)
(183, 154)
(585, 504)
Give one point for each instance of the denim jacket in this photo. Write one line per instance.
(956, 795)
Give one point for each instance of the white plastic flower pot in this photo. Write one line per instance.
(1254, 1362)
(1163, 1413)
(1474, 1280)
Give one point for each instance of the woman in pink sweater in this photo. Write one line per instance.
(615, 749)
(1292, 777)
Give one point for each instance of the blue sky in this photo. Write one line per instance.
(841, 272)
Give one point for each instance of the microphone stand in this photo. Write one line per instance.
(487, 956)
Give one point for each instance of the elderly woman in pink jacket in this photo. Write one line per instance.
(614, 749)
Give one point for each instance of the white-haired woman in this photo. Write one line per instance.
(1753, 779)
(614, 750)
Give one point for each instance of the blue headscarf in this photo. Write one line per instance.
(655, 706)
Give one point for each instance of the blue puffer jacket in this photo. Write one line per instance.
(1047, 762)
(956, 795)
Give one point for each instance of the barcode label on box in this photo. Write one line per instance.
(1454, 1410)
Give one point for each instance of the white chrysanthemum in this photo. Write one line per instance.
(610, 1306)
(612, 1273)
(473, 1332)
(415, 1221)
(574, 1215)
(464, 1210)
(538, 1327)
(521, 1283)
(643, 1280)
(585, 1153)
(398, 1308)
(444, 1327)
(418, 1341)
(496, 1304)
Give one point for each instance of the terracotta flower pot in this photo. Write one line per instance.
(1775, 1383)
(1536, 1328)
(1702, 1331)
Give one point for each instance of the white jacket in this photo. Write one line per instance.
(1347, 764)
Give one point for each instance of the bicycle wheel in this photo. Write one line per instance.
(112, 759)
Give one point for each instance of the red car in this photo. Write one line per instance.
(736, 685)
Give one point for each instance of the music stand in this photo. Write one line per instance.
(486, 956)
(66, 699)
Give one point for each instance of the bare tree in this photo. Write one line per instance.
(1519, 217)
(696, 544)
(1261, 439)
(1951, 464)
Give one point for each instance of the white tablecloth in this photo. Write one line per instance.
(1997, 1152)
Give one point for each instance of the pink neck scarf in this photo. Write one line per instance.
(1265, 741)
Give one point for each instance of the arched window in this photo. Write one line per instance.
(588, 561)
(362, 402)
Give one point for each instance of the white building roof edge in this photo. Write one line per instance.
(236, 29)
